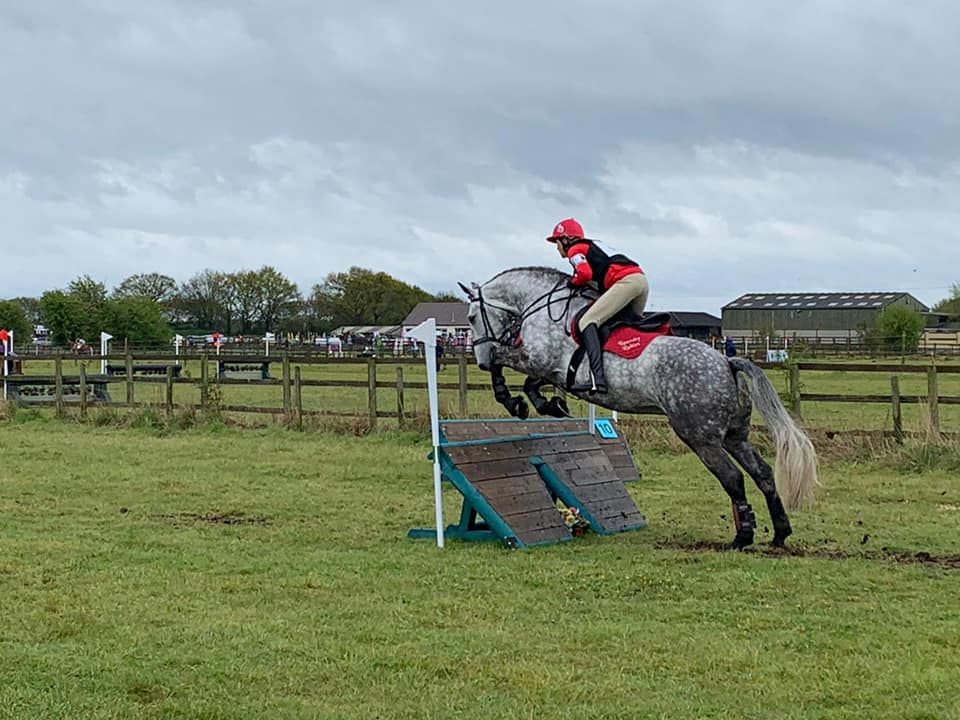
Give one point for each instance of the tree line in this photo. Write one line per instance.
(148, 308)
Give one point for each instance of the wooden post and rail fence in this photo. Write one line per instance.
(292, 383)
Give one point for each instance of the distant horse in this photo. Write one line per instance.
(521, 319)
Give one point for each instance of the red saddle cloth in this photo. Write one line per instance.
(628, 342)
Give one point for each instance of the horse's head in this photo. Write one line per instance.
(491, 322)
(499, 307)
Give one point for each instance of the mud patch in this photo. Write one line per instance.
(904, 557)
(212, 518)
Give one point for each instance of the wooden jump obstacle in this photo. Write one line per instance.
(43, 390)
(512, 472)
(242, 370)
(143, 370)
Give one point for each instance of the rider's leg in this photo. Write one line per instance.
(639, 304)
(631, 289)
(590, 337)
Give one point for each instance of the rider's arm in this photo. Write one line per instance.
(582, 272)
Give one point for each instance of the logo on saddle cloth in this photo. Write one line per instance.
(628, 342)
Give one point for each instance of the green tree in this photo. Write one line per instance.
(137, 320)
(65, 316)
(899, 328)
(204, 301)
(364, 297)
(12, 317)
(92, 293)
(950, 305)
(245, 298)
(279, 297)
(152, 286)
(31, 309)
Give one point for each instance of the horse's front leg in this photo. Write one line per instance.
(554, 407)
(514, 404)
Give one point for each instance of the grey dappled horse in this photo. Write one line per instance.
(521, 319)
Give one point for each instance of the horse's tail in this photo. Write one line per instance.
(796, 465)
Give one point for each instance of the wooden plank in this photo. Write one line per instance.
(547, 535)
(523, 520)
(480, 471)
(600, 493)
(528, 482)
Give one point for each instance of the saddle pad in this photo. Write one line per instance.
(628, 342)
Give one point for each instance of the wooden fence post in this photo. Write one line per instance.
(169, 394)
(58, 383)
(286, 385)
(462, 378)
(298, 396)
(933, 402)
(372, 390)
(897, 415)
(129, 362)
(83, 390)
(204, 381)
(795, 389)
(400, 397)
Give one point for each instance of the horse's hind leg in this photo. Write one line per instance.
(746, 454)
(729, 475)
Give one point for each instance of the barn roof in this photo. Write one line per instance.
(817, 301)
(446, 313)
(694, 319)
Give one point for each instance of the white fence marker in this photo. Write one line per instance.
(105, 338)
(426, 332)
(6, 339)
(177, 342)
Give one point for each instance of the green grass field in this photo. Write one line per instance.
(830, 415)
(241, 573)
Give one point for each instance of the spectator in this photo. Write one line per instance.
(729, 347)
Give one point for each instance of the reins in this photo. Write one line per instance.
(511, 331)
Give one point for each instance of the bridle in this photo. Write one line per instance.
(510, 335)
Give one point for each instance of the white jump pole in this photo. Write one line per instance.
(266, 343)
(426, 332)
(105, 338)
(7, 345)
(592, 418)
(177, 342)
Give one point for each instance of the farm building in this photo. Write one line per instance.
(451, 317)
(696, 325)
(811, 316)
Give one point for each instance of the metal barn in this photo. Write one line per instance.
(811, 316)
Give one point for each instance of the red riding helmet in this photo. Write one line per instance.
(568, 228)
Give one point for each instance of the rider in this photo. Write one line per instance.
(620, 280)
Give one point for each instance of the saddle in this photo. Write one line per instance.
(625, 334)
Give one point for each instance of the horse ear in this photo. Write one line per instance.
(467, 291)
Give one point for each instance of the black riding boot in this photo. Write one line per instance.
(590, 337)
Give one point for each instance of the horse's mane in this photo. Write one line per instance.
(547, 271)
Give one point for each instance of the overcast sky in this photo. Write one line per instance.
(727, 146)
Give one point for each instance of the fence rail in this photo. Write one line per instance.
(64, 391)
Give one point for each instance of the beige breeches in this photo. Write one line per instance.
(631, 290)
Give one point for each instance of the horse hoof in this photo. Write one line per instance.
(741, 541)
(557, 407)
(519, 408)
(780, 539)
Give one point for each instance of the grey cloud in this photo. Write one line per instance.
(730, 145)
